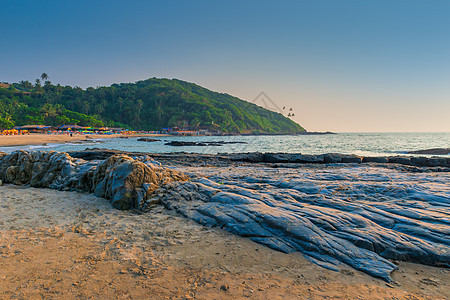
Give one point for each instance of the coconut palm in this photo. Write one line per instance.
(44, 76)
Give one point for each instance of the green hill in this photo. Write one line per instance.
(145, 105)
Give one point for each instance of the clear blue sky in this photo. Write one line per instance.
(342, 65)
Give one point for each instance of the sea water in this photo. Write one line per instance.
(365, 144)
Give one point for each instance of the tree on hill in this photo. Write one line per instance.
(44, 76)
(149, 105)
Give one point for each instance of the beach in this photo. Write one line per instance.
(39, 139)
(57, 244)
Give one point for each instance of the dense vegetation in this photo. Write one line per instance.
(145, 105)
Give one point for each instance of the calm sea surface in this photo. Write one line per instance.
(369, 144)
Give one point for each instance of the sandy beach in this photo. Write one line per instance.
(67, 245)
(37, 139)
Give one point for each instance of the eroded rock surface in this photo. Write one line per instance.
(201, 144)
(337, 158)
(126, 182)
(434, 151)
(363, 216)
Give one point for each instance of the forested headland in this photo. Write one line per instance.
(145, 105)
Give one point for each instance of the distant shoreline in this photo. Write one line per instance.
(39, 139)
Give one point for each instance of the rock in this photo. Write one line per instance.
(254, 157)
(147, 140)
(314, 159)
(94, 154)
(436, 161)
(205, 143)
(434, 151)
(224, 287)
(276, 157)
(351, 159)
(332, 158)
(292, 158)
(336, 158)
(362, 217)
(124, 181)
(419, 161)
(403, 160)
(377, 159)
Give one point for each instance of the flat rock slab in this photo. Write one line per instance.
(338, 158)
(361, 215)
(200, 144)
(147, 140)
(434, 151)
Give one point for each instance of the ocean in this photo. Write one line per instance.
(365, 144)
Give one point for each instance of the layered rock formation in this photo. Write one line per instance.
(201, 144)
(257, 157)
(433, 151)
(360, 215)
(126, 182)
(364, 215)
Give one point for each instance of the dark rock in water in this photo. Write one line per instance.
(292, 158)
(190, 144)
(127, 182)
(430, 161)
(94, 154)
(332, 158)
(399, 160)
(376, 159)
(276, 157)
(434, 151)
(315, 133)
(351, 159)
(254, 157)
(336, 158)
(313, 159)
(147, 140)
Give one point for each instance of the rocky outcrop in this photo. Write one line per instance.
(434, 151)
(147, 140)
(364, 215)
(126, 182)
(190, 144)
(360, 215)
(337, 158)
(259, 157)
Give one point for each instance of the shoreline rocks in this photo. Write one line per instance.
(147, 140)
(433, 151)
(337, 158)
(361, 215)
(201, 144)
(126, 182)
(277, 158)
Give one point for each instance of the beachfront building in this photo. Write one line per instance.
(34, 128)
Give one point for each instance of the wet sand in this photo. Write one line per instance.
(38, 139)
(69, 245)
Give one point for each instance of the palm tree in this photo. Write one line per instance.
(139, 105)
(44, 76)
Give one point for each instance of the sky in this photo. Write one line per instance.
(343, 66)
